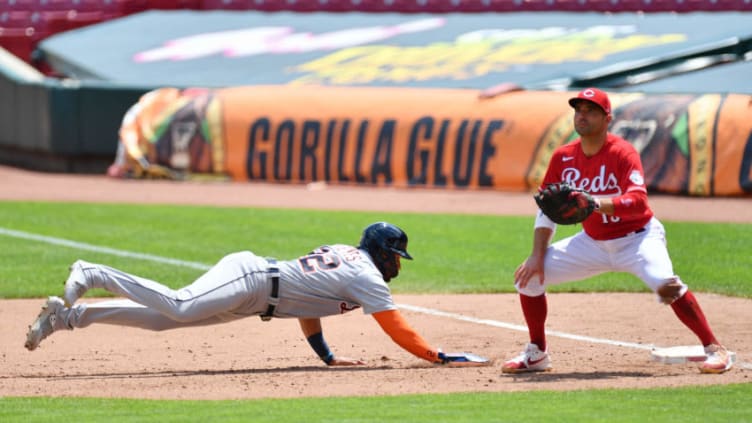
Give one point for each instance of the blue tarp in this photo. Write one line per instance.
(534, 50)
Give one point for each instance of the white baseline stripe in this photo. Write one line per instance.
(202, 266)
(98, 249)
(520, 328)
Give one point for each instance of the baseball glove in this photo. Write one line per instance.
(565, 204)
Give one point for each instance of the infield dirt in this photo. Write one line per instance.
(253, 359)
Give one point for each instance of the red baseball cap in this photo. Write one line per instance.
(593, 95)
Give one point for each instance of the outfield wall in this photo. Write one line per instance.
(58, 125)
(695, 144)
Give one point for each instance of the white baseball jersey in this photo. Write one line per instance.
(330, 280)
(631, 240)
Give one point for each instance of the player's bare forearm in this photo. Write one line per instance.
(314, 334)
(310, 326)
(605, 205)
(541, 239)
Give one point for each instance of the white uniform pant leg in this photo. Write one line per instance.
(227, 286)
(646, 256)
(132, 314)
(569, 259)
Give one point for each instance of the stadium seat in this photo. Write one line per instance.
(39, 21)
(23, 5)
(506, 6)
(174, 4)
(228, 4)
(59, 5)
(335, 5)
(18, 41)
(570, 5)
(306, 5)
(439, 6)
(124, 7)
(17, 19)
(76, 19)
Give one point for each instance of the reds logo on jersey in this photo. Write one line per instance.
(602, 183)
(344, 307)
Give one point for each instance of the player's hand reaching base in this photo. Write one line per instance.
(345, 361)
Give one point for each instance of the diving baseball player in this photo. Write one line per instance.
(622, 235)
(330, 280)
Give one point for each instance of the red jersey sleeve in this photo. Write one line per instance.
(615, 172)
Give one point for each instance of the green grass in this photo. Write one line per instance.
(453, 254)
(728, 403)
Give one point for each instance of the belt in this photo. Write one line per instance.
(272, 273)
(639, 231)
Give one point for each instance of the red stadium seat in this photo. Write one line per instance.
(18, 41)
(81, 19)
(307, 5)
(17, 19)
(470, 6)
(23, 5)
(175, 4)
(571, 5)
(718, 5)
(60, 5)
(439, 6)
(228, 4)
(506, 6)
(126, 7)
(335, 5)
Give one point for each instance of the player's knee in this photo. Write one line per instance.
(671, 290)
(532, 289)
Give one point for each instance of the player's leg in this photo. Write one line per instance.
(131, 314)
(574, 258)
(225, 287)
(55, 316)
(646, 256)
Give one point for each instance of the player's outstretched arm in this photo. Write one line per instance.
(312, 331)
(395, 325)
(401, 333)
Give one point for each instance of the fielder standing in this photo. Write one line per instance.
(621, 236)
(331, 280)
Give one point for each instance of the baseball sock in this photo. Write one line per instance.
(688, 310)
(535, 310)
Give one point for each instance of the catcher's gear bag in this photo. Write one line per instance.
(565, 204)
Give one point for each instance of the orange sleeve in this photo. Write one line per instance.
(392, 322)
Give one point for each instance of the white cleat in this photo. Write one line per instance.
(45, 324)
(530, 360)
(719, 360)
(76, 285)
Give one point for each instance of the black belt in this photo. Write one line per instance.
(272, 273)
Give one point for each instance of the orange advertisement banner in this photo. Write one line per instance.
(690, 144)
(385, 136)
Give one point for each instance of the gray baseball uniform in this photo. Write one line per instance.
(330, 280)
